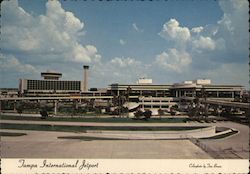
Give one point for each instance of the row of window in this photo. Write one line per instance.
(220, 94)
(156, 106)
(53, 85)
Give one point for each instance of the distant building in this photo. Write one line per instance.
(51, 75)
(144, 92)
(49, 86)
(188, 89)
(164, 96)
(144, 81)
(147, 95)
(202, 81)
(9, 92)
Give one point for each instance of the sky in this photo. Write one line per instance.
(122, 41)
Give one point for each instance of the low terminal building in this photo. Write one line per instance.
(9, 92)
(165, 96)
(177, 90)
(199, 86)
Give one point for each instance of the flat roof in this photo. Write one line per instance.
(116, 84)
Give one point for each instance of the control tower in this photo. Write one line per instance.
(85, 77)
(51, 75)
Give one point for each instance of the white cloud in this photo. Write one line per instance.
(11, 63)
(64, 20)
(224, 42)
(55, 34)
(204, 43)
(124, 62)
(230, 73)
(172, 30)
(197, 29)
(122, 42)
(118, 70)
(233, 26)
(55, 37)
(136, 28)
(173, 60)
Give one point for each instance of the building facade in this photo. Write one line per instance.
(165, 96)
(144, 92)
(51, 85)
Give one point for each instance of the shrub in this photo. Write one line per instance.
(44, 114)
(138, 114)
(160, 112)
(147, 114)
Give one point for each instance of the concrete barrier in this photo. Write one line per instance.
(197, 133)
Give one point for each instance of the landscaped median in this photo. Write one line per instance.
(11, 134)
(95, 119)
(122, 130)
(194, 132)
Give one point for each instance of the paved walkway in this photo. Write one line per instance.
(39, 144)
(236, 146)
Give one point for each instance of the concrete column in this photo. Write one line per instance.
(0, 106)
(55, 107)
(142, 103)
(219, 110)
(76, 104)
(232, 94)
(14, 107)
(176, 93)
(217, 94)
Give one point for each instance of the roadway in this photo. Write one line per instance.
(55, 98)
(209, 101)
(221, 102)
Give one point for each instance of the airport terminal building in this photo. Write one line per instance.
(143, 92)
(164, 96)
(185, 89)
(51, 85)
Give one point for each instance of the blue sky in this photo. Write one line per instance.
(168, 41)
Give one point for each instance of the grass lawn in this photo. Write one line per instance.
(87, 138)
(97, 119)
(11, 134)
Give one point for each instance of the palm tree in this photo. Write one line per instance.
(19, 108)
